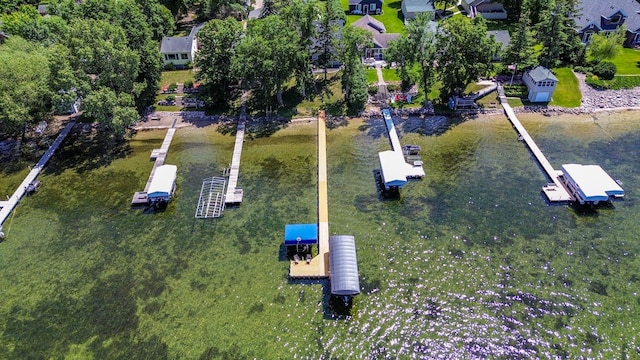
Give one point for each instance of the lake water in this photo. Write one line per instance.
(469, 263)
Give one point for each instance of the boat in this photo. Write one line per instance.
(32, 187)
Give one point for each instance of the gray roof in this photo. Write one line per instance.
(178, 44)
(416, 6)
(343, 264)
(501, 36)
(377, 29)
(591, 12)
(541, 73)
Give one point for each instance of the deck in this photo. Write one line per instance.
(319, 265)
(555, 191)
(234, 193)
(158, 156)
(10, 204)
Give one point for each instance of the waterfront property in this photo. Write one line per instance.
(607, 16)
(541, 84)
(590, 184)
(379, 35)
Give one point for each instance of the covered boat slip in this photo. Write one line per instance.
(591, 183)
(344, 266)
(163, 183)
(393, 169)
(300, 234)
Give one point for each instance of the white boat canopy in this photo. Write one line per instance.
(393, 169)
(591, 182)
(343, 265)
(163, 183)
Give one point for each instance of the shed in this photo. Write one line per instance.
(343, 265)
(591, 183)
(163, 183)
(393, 169)
(541, 84)
(411, 8)
(300, 234)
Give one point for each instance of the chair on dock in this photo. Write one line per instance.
(308, 258)
(296, 258)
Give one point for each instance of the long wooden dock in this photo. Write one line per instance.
(556, 191)
(10, 204)
(158, 156)
(319, 265)
(234, 193)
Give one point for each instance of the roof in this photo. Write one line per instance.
(343, 264)
(164, 178)
(592, 182)
(501, 36)
(356, 2)
(592, 11)
(541, 73)
(393, 168)
(415, 6)
(177, 44)
(299, 234)
(377, 29)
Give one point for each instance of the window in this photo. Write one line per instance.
(184, 56)
(172, 57)
(616, 19)
(636, 39)
(587, 36)
(372, 7)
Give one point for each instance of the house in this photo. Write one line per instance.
(411, 8)
(380, 37)
(180, 50)
(606, 16)
(503, 38)
(365, 6)
(488, 9)
(541, 84)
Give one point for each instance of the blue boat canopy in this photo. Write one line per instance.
(300, 234)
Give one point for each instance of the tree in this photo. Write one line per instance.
(301, 16)
(267, 56)
(218, 41)
(113, 110)
(556, 32)
(331, 21)
(521, 49)
(423, 47)
(400, 51)
(25, 97)
(466, 53)
(66, 83)
(606, 45)
(351, 47)
(28, 24)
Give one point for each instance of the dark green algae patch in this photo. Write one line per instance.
(469, 263)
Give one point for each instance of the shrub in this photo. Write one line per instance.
(170, 66)
(520, 91)
(171, 98)
(583, 69)
(173, 87)
(188, 84)
(392, 87)
(605, 70)
(372, 89)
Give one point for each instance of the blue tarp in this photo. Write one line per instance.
(300, 234)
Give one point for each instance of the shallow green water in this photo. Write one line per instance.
(469, 263)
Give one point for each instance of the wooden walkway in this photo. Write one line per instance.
(319, 265)
(158, 155)
(556, 191)
(234, 193)
(10, 204)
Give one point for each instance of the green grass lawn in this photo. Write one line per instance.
(389, 76)
(176, 76)
(372, 76)
(391, 15)
(627, 62)
(567, 92)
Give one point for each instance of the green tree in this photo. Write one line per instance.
(267, 56)
(556, 32)
(351, 47)
(28, 24)
(25, 97)
(332, 19)
(301, 16)
(113, 110)
(466, 53)
(423, 49)
(606, 45)
(521, 49)
(66, 83)
(400, 51)
(218, 41)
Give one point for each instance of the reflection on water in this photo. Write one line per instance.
(468, 263)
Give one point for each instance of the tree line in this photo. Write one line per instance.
(102, 51)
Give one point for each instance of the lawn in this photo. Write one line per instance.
(567, 93)
(389, 76)
(627, 62)
(372, 76)
(176, 76)
(391, 15)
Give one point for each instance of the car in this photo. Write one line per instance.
(356, 12)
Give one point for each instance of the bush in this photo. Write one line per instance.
(605, 70)
(372, 89)
(583, 69)
(188, 84)
(171, 98)
(173, 87)
(170, 66)
(618, 82)
(392, 87)
(520, 91)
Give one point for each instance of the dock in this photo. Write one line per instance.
(158, 156)
(318, 267)
(12, 202)
(555, 190)
(234, 193)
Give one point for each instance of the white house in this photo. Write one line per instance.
(180, 50)
(541, 84)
